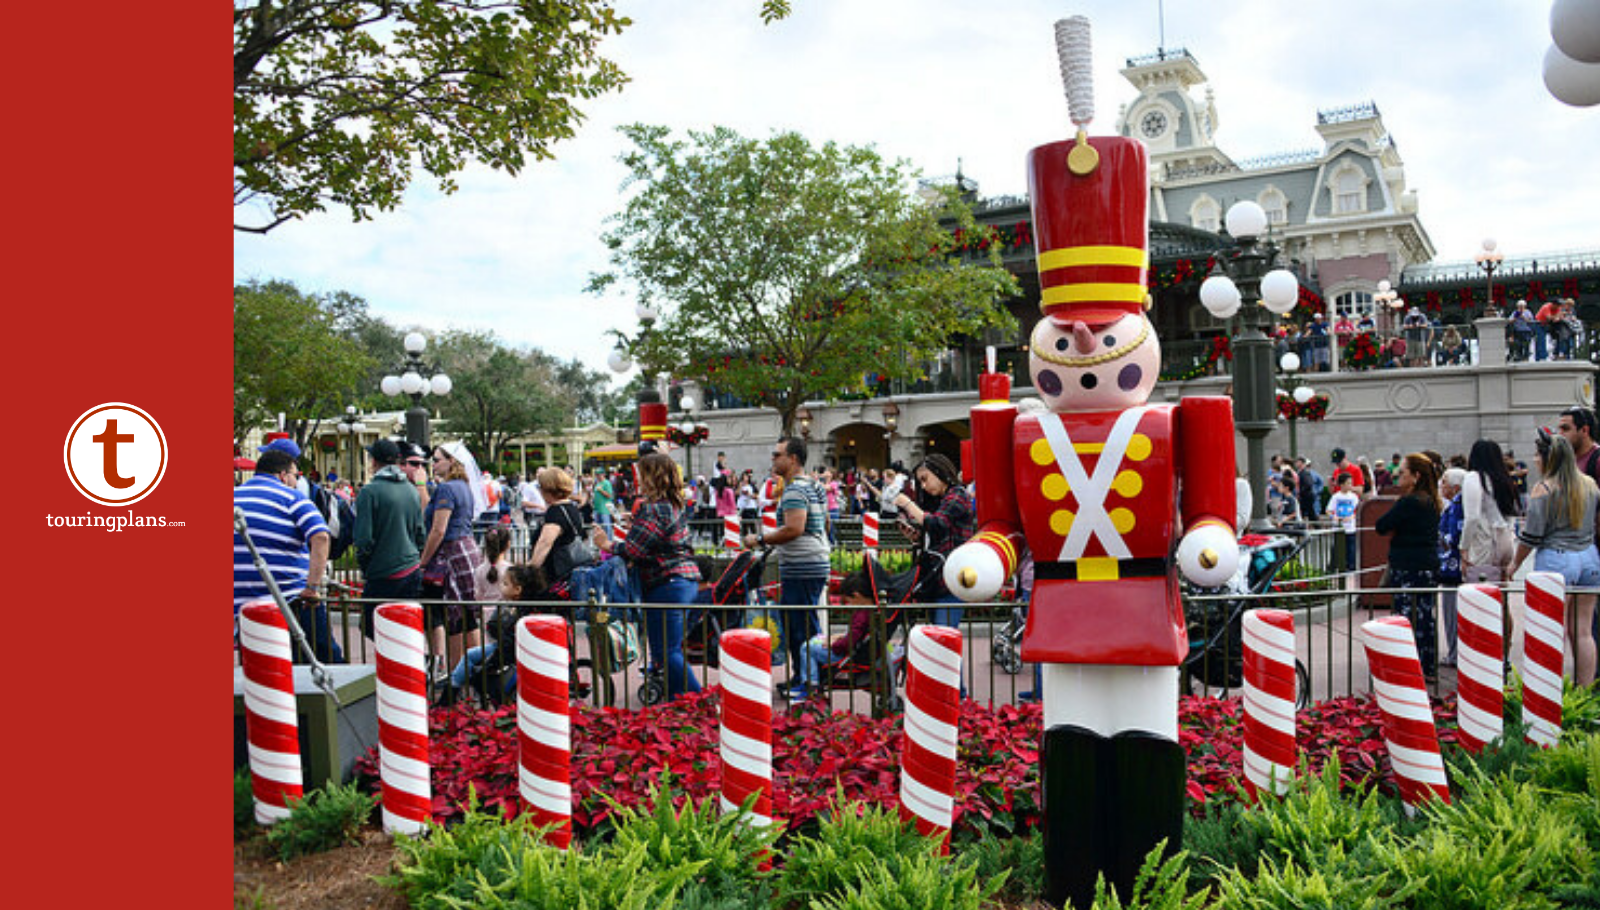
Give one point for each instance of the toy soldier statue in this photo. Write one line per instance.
(1090, 479)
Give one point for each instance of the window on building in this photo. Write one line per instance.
(1354, 304)
(1276, 205)
(1349, 192)
(1206, 214)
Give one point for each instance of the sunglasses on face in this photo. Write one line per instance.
(417, 464)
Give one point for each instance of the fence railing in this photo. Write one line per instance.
(617, 664)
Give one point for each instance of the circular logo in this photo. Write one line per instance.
(115, 454)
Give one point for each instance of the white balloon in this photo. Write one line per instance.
(1290, 362)
(1570, 81)
(1575, 28)
(1280, 291)
(390, 386)
(1303, 394)
(1220, 296)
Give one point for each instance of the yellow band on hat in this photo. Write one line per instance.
(1117, 292)
(1070, 256)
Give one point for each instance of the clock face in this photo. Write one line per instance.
(1153, 124)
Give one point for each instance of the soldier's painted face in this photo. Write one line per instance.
(1094, 368)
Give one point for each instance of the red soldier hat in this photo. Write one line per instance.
(1091, 230)
(652, 421)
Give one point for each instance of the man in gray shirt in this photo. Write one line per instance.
(801, 543)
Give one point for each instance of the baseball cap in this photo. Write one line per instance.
(285, 446)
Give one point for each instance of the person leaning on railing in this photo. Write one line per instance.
(1412, 525)
(1559, 531)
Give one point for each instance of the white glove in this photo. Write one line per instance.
(974, 572)
(1208, 555)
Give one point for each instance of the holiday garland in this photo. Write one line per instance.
(1315, 408)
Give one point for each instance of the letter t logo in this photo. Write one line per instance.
(109, 438)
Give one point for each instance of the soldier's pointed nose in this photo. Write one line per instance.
(1082, 339)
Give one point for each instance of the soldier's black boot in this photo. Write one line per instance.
(1148, 800)
(1075, 776)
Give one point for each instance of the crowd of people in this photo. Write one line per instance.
(1467, 518)
(1417, 338)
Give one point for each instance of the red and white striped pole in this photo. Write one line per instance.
(932, 722)
(1481, 682)
(403, 764)
(271, 722)
(1408, 728)
(1269, 679)
(869, 533)
(730, 532)
(544, 726)
(1546, 616)
(769, 520)
(745, 663)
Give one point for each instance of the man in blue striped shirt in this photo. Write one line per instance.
(293, 540)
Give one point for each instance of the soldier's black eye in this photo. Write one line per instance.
(1111, 341)
(1061, 344)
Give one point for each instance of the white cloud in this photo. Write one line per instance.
(1487, 148)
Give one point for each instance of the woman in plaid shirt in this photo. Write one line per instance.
(657, 545)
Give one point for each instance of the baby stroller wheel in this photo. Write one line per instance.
(654, 690)
(1302, 685)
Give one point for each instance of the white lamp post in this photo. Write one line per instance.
(1247, 285)
(1489, 258)
(414, 383)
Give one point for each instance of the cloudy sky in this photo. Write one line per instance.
(1457, 81)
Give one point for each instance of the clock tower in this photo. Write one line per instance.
(1177, 127)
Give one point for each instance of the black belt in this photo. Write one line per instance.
(1137, 567)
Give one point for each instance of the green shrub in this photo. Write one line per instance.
(1019, 859)
(1160, 885)
(1580, 707)
(1313, 824)
(324, 819)
(244, 805)
(850, 838)
(724, 850)
(917, 881)
(1275, 886)
(1502, 844)
(1219, 840)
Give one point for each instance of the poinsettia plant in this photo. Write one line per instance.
(618, 755)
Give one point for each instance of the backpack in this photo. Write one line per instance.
(340, 517)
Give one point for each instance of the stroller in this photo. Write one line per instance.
(1216, 639)
(737, 587)
(876, 664)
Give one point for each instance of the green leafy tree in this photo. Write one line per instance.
(594, 400)
(291, 357)
(339, 101)
(498, 392)
(784, 271)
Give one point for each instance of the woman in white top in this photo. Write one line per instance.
(1489, 500)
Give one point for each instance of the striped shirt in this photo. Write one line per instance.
(282, 522)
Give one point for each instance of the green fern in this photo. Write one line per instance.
(244, 805)
(1314, 824)
(724, 849)
(1289, 885)
(916, 882)
(1020, 860)
(324, 819)
(1160, 885)
(1219, 841)
(850, 839)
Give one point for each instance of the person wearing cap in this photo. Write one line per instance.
(293, 541)
(280, 442)
(1343, 466)
(1318, 329)
(388, 533)
(1418, 335)
(1100, 485)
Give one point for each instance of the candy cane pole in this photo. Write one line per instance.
(544, 726)
(869, 533)
(746, 734)
(271, 723)
(730, 532)
(1482, 677)
(769, 520)
(1407, 716)
(1546, 596)
(403, 719)
(933, 712)
(1269, 747)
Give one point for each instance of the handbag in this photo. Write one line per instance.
(1477, 543)
(577, 553)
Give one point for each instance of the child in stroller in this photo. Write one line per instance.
(865, 657)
